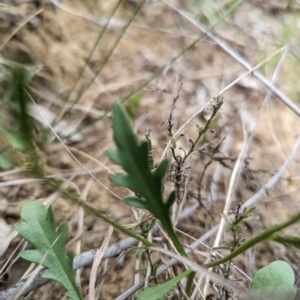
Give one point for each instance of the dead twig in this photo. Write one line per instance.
(239, 58)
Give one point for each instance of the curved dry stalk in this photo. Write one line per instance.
(211, 232)
(80, 261)
(96, 263)
(239, 58)
(248, 137)
(240, 291)
(231, 188)
(230, 193)
(28, 19)
(176, 134)
(70, 153)
(275, 178)
(58, 176)
(87, 257)
(169, 264)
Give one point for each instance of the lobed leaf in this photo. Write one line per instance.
(133, 156)
(40, 231)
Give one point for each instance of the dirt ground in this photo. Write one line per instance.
(55, 38)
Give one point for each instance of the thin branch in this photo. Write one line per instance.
(175, 135)
(20, 27)
(231, 188)
(80, 261)
(211, 232)
(70, 153)
(86, 258)
(169, 264)
(275, 178)
(239, 58)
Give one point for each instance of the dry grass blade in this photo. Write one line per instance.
(16, 30)
(71, 154)
(80, 261)
(254, 199)
(216, 278)
(239, 58)
(176, 134)
(234, 179)
(284, 48)
(98, 258)
(86, 258)
(271, 183)
(186, 52)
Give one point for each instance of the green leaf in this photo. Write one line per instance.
(133, 156)
(287, 240)
(158, 292)
(133, 105)
(15, 139)
(10, 141)
(161, 170)
(171, 199)
(18, 98)
(136, 202)
(39, 230)
(275, 281)
(5, 161)
(114, 156)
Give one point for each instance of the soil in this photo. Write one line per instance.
(55, 39)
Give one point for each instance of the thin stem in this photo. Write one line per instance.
(55, 185)
(89, 58)
(215, 109)
(161, 69)
(267, 234)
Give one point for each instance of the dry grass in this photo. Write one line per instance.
(55, 40)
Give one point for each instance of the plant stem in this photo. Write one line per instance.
(267, 234)
(55, 185)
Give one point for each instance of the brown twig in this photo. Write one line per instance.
(19, 27)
